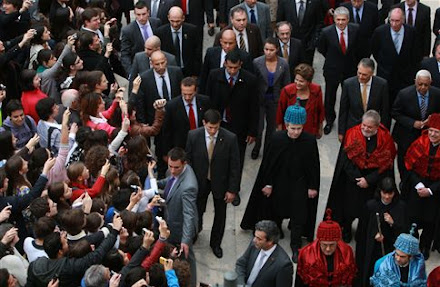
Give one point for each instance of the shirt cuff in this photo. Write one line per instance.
(72, 135)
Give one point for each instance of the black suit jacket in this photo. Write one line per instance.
(436, 26)
(164, 7)
(406, 111)
(176, 122)
(197, 9)
(225, 162)
(191, 47)
(423, 29)
(431, 65)
(296, 55)
(369, 22)
(224, 6)
(312, 23)
(254, 40)
(351, 109)
(242, 99)
(397, 69)
(132, 41)
(336, 63)
(148, 93)
(212, 61)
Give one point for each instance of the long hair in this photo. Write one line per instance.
(89, 106)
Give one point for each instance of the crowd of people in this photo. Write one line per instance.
(114, 135)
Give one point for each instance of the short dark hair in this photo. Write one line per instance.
(212, 116)
(88, 14)
(188, 82)
(52, 244)
(44, 108)
(272, 41)
(177, 153)
(233, 56)
(140, 5)
(86, 39)
(43, 227)
(16, 3)
(368, 63)
(134, 275)
(27, 79)
(236, 9)
(13, 105)
(39, 207)
(270, 228)
(113, 260)
(44, 55)
(73, 220)
(305, 70)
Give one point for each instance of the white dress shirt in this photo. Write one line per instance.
(158, 79)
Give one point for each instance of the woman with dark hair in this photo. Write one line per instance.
(72, 63)
(31, 83)
(96, 82)
(39, 42)
(372, 243)
(136, 158)
(8, 148)
(16, 168)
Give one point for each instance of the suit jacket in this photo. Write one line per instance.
(176, 123)
(313, 21)
(254, 40)
(141, 63)
(276, 272)
(242, 99)
(181, 210)
(351, 109)
(224, 6)
(263, 19)
(406, 111)
(197, 9)
(431, 65)
(397, 69)
(132, 41)
(296, 54)
(336, 63)
(212, 61)
(191, 47)
(369, 22)
(162, 11)
(148, 93)
(436, 26)
(423, 30)
(225, 162)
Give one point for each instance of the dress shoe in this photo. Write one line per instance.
(328, 128)
(211, 31)
(295, 256)
(237, 200)
(218, 251)
(255, 153)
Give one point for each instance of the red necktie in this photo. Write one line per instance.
(184, 6)
(342, 43)
(192, 118)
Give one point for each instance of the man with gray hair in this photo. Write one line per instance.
(99, 276)
(70, 99)
(338, 44)
(411, 109)
(265, 263)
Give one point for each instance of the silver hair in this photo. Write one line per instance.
(372, 114)
(68, 97)
(95, 276)
(423, 74)
(341, 11)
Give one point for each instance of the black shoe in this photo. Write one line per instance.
(255, 153)
(211, 31)
(295, 256)
(237, 200)
(218, 251)
(328, 128)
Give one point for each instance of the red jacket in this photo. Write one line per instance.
(79, 188)
(29, 100)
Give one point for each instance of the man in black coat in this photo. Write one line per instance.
(436, 26)
(159, 9)
(433, 65)
(213, 154)
(411, 110)
(354, 102)
(181, 40)
(178, 118)
(232, 92)
(338, 44)
(366, 15)
(395, 62)
(291, 49)
(307, 28)
(195, 13)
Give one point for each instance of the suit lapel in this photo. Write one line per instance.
(295, 13)
(336, 37)
(373, 89)
(182, 111)
(278, 70)
(218, 144)
(267, 264)
(358, 95)
(200, 111)
(176, 185)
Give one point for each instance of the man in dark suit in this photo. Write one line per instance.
(291, 49)
(362, 93)
(411, 110)
(232, 92)
(436, 26)
(224, 7)
(366, 15)
(259, 14)
(194, 11)
(215, 57)
(393, 48)
(159, 9)
(418, 15)
(134, 35)
(181, 40)
(306, 27)
(433, 65)
(213, 154)
(247, 35)
(179, 119)
(265, 263)
(338, 44)
(180, 194)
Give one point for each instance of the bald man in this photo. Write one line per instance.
(215, 57)
(181, 40)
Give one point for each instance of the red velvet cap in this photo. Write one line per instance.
(434, 121)
(329, 230)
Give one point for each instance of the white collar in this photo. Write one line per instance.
(100, 120)
(53, 125)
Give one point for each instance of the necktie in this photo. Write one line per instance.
(210, 152)
(342, 43)
(358, 17)
(396, 42)
(301, 12)
(184, 6)
(285, 52)
(410, 20)
(165, 94)
(145, 32)
(191, 118)
(253, 19)
(423, 107)
(256, 269)
(168, 186)
(364, 97)
(154, 8)
(177, 47)
(242, 44)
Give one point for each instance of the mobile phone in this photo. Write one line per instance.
(161, 202)
(201, 284)
(162, 260)
(159, 219)
(144, 230)
(77, 205)
(75, 36)
(134, 188)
